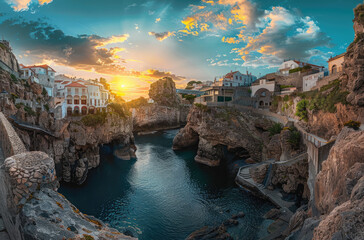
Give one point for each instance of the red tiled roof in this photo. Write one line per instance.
(230, 74)
(75, 84)
(45, 66)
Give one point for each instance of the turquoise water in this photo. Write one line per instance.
(165, 194)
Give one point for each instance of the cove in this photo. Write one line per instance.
(165, 194)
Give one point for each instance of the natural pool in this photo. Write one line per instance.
(165, 194)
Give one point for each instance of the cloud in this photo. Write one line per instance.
(83, 52)
(161, 36)
(159, 74)
(23, 5)
(157, 20)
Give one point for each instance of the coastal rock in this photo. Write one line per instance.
(206, 233)
(258, 173)
(157, 117)
(48, 215)
(220, 131)
(274, 149)
(340, 172)
(273, 214)
(163, 92)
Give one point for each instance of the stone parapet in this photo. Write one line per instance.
(29, 172)
(10, 141)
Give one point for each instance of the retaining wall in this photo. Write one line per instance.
(10, 141)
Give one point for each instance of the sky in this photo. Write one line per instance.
(134, 43)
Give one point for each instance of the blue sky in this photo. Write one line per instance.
(133, 43)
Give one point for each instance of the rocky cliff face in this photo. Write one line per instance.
(354, 61)
(7, 57)
(72, 144)
(75, 149)
(219, 131)
(163, 92)
(156, 117)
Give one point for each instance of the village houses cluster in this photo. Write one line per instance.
(71, 96)
(75, 96)
(245, 89)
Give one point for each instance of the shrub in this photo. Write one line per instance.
(295, 70)
(19, 105)
(46, 106)
(136, 103)
(118, 109)
(352, 124)
(189, 97)
(276, 128)
(13, 78)
(44, 92)
(294, 138)
(301, 109)
(202, 106)
(93, 120)
(29, 111)
(286, 98)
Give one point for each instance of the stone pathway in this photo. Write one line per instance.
(245, 180)
(3, 234)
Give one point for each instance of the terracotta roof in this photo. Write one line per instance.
(230, 74)
(336, 57)
(75, 84)
(45, 66)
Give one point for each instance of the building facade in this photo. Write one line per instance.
(286, 66)
(236, 79)
(310, 81)
(336, 63)
(41, 74)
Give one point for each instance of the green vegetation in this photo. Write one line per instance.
(202, 107)
(286, 98)
(29, 111)
(352, 124)
(300, 69)
(275, 102)
(93, 120)
(118, 109)
(136, 103)
(190, 84)
(285, 86)
(189, 97)
(3, 46)
(13, 78)
(294, 138)
(276, 128)
(302, 109)
(46, 106)
(19, 105)
(103, 81)
(295, 70)
(44, 92)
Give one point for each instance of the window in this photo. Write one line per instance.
(69, 101)
(83, 91)
(69, 90)
(76, 90)
(77, 101)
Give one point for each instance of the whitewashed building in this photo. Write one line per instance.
(286, 66)
(310, 81)
(42, 74)
(236, 79)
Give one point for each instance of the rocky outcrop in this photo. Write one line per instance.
(259, 173)
(220, 131)
(354, 61)
(75, 149)
(292, 178)
(157, 117)
(163, 92)
(335, 182)
(7, 57)
(49, 215)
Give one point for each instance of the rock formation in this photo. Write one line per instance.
(217, 131)
(156, 117)
(163, 92)
(166, 112)
(7, 57)
(354, 61)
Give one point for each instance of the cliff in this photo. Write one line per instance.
(157, 117)
(73, 142)
(166, 112)
(8, 58)
(221, 131)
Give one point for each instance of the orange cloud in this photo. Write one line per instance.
(230, 40)
(101, 42)
(23, 5)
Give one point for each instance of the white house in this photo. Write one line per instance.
(263, 84)
(236, 79)
(292, 64)
(42, 74)
(310, 81)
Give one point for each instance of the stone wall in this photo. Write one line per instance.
(10, 141)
